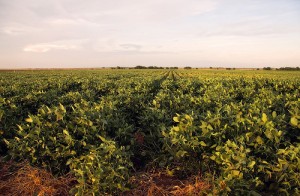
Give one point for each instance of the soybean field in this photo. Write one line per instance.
(238, 131)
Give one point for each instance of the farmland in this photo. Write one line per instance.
(239, 129)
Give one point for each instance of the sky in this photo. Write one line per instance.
(105, 33)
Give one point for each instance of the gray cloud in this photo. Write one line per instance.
(131, 46)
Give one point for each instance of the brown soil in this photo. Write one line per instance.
(22, 179)
(161, 184)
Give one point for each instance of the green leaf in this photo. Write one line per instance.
(1, 114)
(29, 120)
(294, 121)
(268, 134)
(213, 157)
(176, 119)
(170, 172)
(59, 116)
(61, 107)
(274, 114)
(102, 138)
(181, 153)
(209, 127)
(248, 135)
(264, 118)
(251, 164)
(6, 142)
(259, 140)
(202, 143)
(79, 171)
(69, 162)
(176, 128)
(20, 128)
(66, 132)
(235, 172)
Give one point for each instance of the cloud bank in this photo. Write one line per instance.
(165, 33)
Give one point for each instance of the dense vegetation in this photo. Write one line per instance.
(238, 128)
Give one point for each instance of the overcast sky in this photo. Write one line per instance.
(97, 33)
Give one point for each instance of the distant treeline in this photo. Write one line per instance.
(284, 68)
(144, 67)
(150, 67)
(156, 67)
(290, 68)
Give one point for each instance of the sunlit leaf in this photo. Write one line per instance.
(264, 118)
(294, 121)
(175, 119)
(29, 120)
